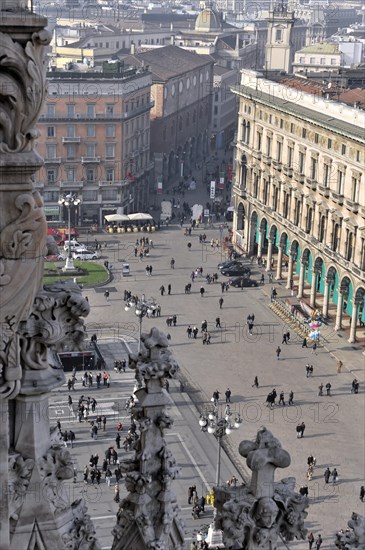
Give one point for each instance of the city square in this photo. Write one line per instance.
(334, 424)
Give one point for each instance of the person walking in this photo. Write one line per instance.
(255, 382)
(108, 477)
(195, 332)
(189, 331)
(328, 388)
(228, 394)
(284, 339)
(104, 423)
(202, 290)
(334, 475)
(320, 389)
(172, 263)
(117, 440)
(319, 542)
(314, 348)
(71, 437)
(304, 344)
(281, 398)
(327, 475)
(291, 398)
(302, 428)
(362, 493)
(278, 352)
(221, 301)
(310, 540)
(116, 493)
(106, 295)
(218, 322)
(162, 290)
(215, 397)
(169, 289)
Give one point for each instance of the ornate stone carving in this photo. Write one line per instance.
(20, 470)
(353, 538)
(254, 518)
(54, 322)
(148, 516)
(23, 87)
(82, 535)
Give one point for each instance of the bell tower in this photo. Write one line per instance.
(279, 45)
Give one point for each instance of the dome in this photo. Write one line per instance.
(208, 21)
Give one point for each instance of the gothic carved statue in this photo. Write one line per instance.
(354, 537)
(266, 510)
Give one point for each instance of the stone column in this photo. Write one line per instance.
(355, 309)
(290, 271)
(280, 261)
(326, 297)
(269, 255)
(301, 280)
(338, 324)
(259, 244)
(313, 294)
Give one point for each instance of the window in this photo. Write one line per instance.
(290, 154)
(51, 196)
(109, 150)
(312, 60)
(71, 131)
(51, 176)
(90, 110)
(70, 110)
(335, 236)
(259, 140)
(90, 175)
(70, 151)
(268, 146)
(278, 35)
(329, 144)
(51, 131)
(275, 198)
(340, 181)
(91, 195)
(110, 130)
(266, 191)
(326, 175)
(173, 89)
(314, 168)
(255, 185)
(51, 151)
(301, 162)
(292, 128)
(349, 245)
(215, 110)
(279, 150)
(90, 130)
(323, 61)
(194, 80)
(181, 86)
(286, 205)
(316, 138)
(207, 76)
(109, 194)
(355, 189)
(357, 156)
(51, 110)
(260, 115)
(281, 123)
(302, 60)
(297, 212)
(110, 109)
(304, 133)
(109, 174)
(188, 83)
(90, 150)
(343, 149)
(322, 227)
(270, 119)
(333, 61)
(70, 174)
(309, 220)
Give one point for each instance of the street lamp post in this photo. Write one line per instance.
(69, 200)
(218, 425)
(141, 309)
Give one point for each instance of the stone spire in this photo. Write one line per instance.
(148, 516)
(255, 517)
(35, 511)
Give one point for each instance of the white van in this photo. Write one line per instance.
(75, 246)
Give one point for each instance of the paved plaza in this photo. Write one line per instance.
(334, 431)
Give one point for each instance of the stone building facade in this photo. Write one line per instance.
(182, 85)
(95, 139)
(299, 191)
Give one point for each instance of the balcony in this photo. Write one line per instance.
(114, 183)
(324, 191)
(90, 160)
(68, 139)
(266, 159)
(54, 160)
(277, 165)
(299, 177)
(311, 183)
(352, 206)
(256, 154)
(71, 184)
(337, 198)
(288, 171)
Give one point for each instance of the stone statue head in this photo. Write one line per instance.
(265, 512)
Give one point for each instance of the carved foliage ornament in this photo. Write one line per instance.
(22, 90)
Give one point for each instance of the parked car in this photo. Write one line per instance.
(240, 282)
(229, 263)
(237, 270)
(75, 246)
(55, 257)
(84, 255)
